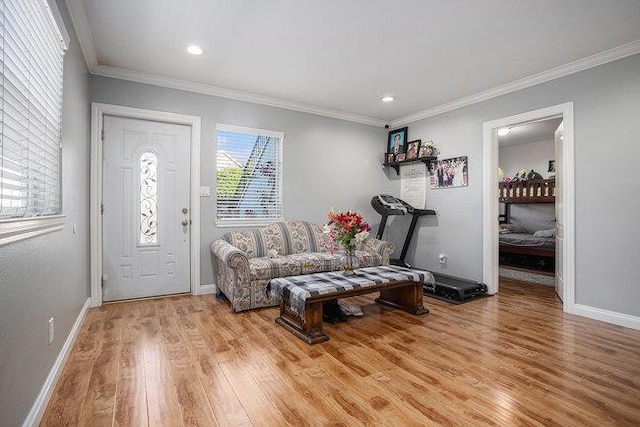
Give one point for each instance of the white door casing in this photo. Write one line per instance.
(558, 142)
(145, 208)
(490, 197)
(98, 112)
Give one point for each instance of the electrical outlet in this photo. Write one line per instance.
(442, 258)
(51, 330)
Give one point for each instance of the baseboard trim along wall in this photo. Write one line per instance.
(41, 402)
(619, 319)
(208, 289)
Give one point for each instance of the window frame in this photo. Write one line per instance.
(251, 222)
(19, 228)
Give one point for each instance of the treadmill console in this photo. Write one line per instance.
(386, 204)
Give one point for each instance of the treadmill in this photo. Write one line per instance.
(387, 205)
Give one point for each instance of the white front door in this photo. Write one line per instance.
(559, 211)
(145, 225)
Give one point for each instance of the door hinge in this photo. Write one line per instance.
(102, 282)
(101, 208)
(102, 134)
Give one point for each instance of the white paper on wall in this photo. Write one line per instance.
(413, 184)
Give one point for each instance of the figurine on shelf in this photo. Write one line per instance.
(390, 158)
(400, 157)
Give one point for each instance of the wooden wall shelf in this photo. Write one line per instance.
(396, 165)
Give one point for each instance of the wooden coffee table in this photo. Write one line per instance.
(301, 297)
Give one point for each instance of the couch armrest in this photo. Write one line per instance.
(228, 254)
(232, 273)
(380, 247)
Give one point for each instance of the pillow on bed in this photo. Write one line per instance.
(545, 233)
(509, 228)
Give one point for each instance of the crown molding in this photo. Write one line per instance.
(85, 37)
(600, 58)
(83, 31)
(156, 80)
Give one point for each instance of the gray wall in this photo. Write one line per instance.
(48, 275)
(607, 197)
(327, 162)
(528, 156)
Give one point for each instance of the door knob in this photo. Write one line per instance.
(185, 222)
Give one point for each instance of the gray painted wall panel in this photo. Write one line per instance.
(607, 146)
(48, 275)
(327, 162)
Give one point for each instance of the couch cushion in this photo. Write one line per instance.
(303, 237)
(279, 238)
(268, 268)
(245, 240)
(317, 262)
(306, 263)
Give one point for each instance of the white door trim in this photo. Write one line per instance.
(98, 111)
(490, 196)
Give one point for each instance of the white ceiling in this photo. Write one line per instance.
(337, 57)
(530, 132)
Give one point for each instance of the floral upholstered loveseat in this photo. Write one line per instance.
(246, 260)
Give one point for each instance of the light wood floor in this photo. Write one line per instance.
(512, 359)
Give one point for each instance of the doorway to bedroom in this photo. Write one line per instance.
(562, 189)
(526, 196)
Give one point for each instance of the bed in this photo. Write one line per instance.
(535, 251)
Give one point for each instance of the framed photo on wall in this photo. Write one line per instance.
(449, 173)
(412, 149)
(397, 141)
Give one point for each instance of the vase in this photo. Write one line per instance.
(350, 261)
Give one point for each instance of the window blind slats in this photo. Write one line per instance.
(31, 101)
(249, 175)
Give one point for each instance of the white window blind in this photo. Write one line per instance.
(31, 51)
(248, 176)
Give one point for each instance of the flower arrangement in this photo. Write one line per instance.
(430, 148)
(345, 228)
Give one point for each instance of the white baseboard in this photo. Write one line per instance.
(37, 410)
(208, 289)
(613, 317)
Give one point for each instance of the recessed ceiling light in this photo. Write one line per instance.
(504, 131)
(194, 50)
(387, 98)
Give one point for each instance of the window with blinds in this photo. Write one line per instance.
(248, 176)
(31, 52)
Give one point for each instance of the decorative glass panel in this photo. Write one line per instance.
(148, 199)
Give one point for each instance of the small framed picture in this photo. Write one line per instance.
(390, 158)
(397, 141)
(400, 157)
(552, 166)
(412, 149)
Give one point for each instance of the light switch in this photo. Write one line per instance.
(205, 191)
